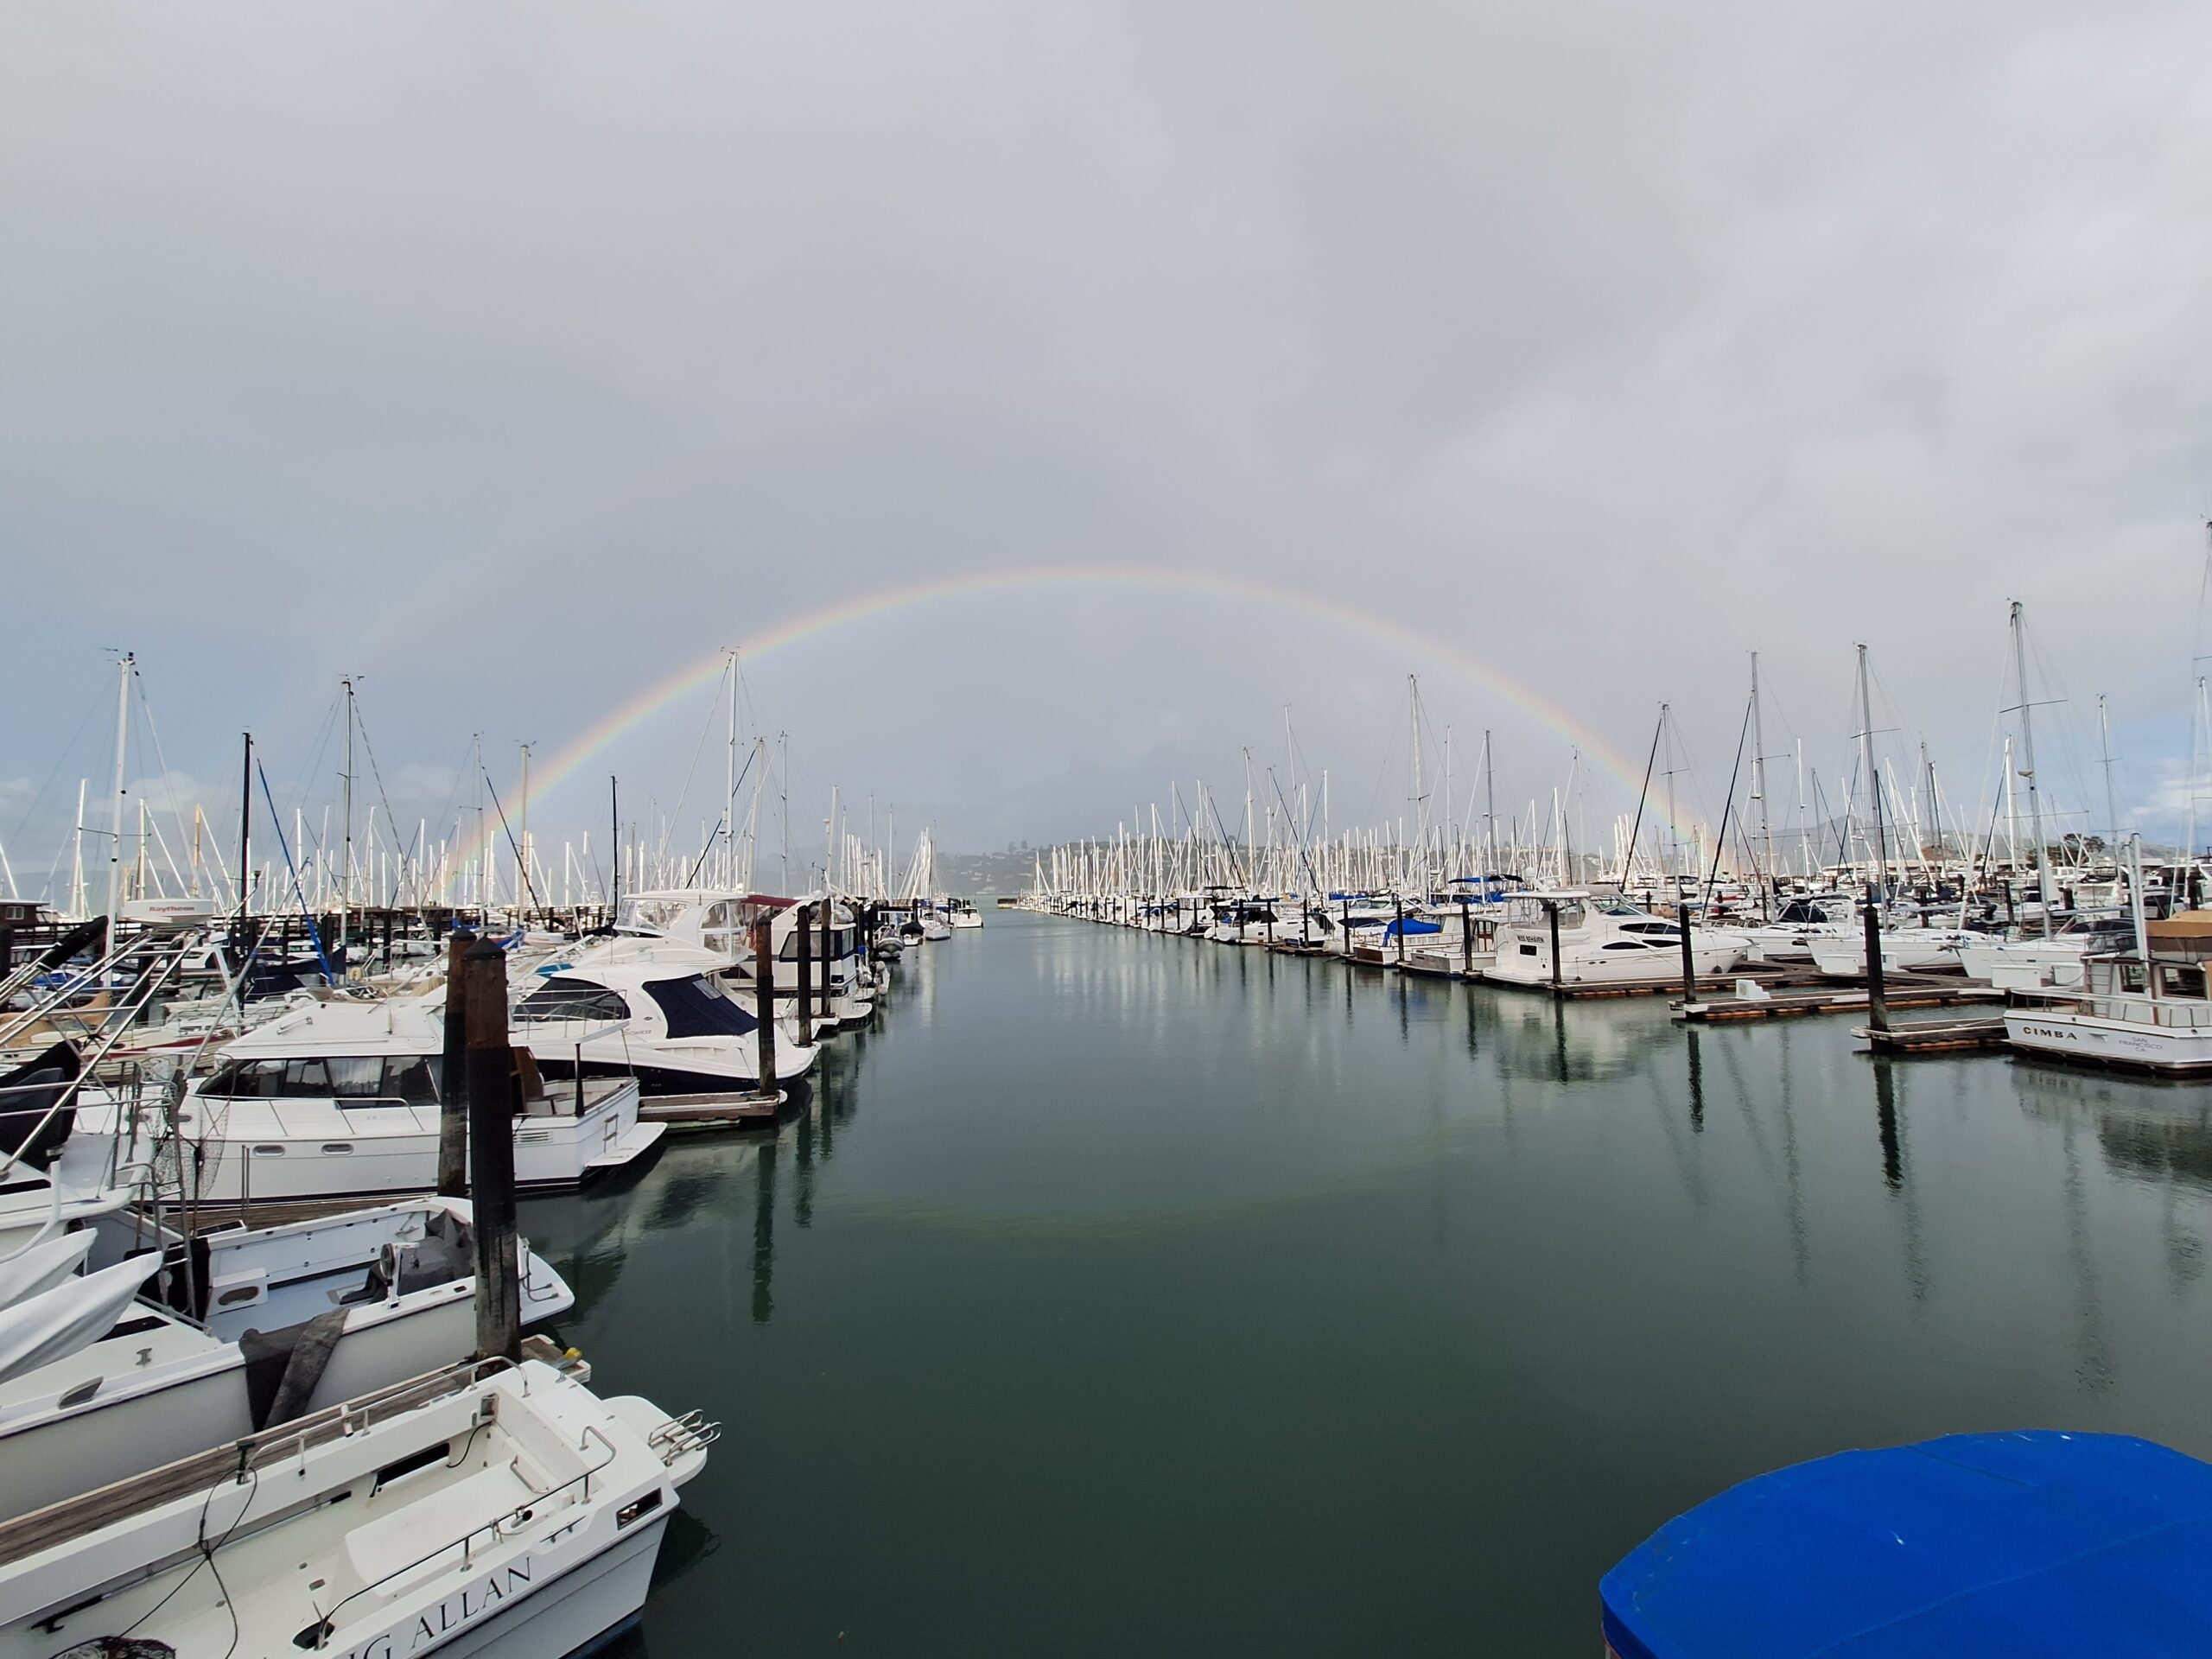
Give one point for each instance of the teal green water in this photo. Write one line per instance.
(1122, 1294)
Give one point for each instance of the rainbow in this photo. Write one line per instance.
(694, 677)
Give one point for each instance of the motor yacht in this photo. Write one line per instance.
(841, 977)
(650, 1009)
(2148, 1013)
(1788, 937)
(2031, 963)
(341, 1098)
(1572, 937)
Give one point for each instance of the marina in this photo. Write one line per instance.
(1105, 830)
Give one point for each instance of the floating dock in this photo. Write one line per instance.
(1936, 1036)
(712, 1111)
(1901, 991)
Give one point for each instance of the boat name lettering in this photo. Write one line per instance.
(470, 1603)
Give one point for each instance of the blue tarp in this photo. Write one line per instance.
(1412, 925)
(2035, 1543)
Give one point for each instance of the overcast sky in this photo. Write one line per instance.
(510, 356)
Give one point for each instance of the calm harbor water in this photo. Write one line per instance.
(1120, 1294)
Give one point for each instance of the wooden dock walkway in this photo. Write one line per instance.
(712, 1111)
(1936, 1036)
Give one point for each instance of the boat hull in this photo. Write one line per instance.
(2170, 1051)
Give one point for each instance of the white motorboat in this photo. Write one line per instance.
(492, 1510)
(1907, 948)
(2031, 963)
(2117, 1018)
(961, 914)
(650, 1009)
(719, 921)
(1464, 945)
(341, 1099)
(1575, 937)
(1788, 937)
(291, 1318)
(2148, 1013)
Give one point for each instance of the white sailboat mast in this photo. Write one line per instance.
(122, 743)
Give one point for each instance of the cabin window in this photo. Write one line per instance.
(306, 1077)
(2175, 980)
(693, 1008)
(352, 1078)
(414, 1080)
(564, 998)
(248, 1080)
(2133, 976)
(1626, 945)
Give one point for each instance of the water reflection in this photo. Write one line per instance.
(2094, 1372)
(764, 1237)
(1889, 1121)
(1697, 1080)
(2144, 1130)
(1885, 1116)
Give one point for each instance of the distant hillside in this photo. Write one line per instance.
(973, 875)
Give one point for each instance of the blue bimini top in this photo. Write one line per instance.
(2019, 1545)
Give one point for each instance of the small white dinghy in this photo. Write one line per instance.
(490, 1509)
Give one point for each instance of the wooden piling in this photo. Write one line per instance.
(492, 1153)
(452, 1073)
(1878, 1005)
(764, 986)
(1689, 954)
(804, 933)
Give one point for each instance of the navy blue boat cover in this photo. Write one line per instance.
(2019, 1545)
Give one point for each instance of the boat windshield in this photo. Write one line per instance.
(694, 1009)
(567, 997)
(651, 915)
(412, 1079)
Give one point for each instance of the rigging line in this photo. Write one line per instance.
(167, 778)
(1649, 761)
(399, 836)
(292, 869)
(98, 698)
(724, 828)
(1303, 856)
(1720, 839)
(521, 863)
(668, 823)
(306, 780)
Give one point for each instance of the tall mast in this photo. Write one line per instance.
(483, 846)
(245, 856)
(2028, 768)
(1758, 793)
(1490, 803)
(122, 741)
(729, 784)
(2104, 742)
(346, 876)
(1873, 781)
(77, 911)
(523, 883)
